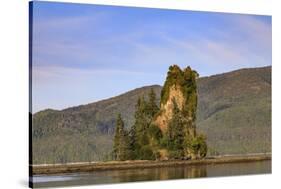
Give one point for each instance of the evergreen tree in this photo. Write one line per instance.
(151, 108)
(133, 142)
(141, 122)
(199, 146)
(140, 127)
(143, 116)
(121, 148)
(175, 133)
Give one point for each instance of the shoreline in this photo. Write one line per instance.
(81, 167)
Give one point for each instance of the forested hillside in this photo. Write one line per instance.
(82, 133)
(234, 111)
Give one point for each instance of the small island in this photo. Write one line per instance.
(166, 132)
(161, 136)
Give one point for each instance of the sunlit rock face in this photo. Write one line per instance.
(167, 108)
(180, 86)
(179, 90)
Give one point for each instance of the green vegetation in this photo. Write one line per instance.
(143, 133)
(186, 81)
(83, 133)
(198, 145)
(145, 112)
(181, 128)
(180, 139)
(234, 112)
(175, 133)
(121, 146)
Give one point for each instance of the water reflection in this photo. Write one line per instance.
(163, 173)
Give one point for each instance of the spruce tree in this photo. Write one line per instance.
(151, 108)
(141, 122)
(143, 118)
(133, 142)
(121, 148)
(175, 133)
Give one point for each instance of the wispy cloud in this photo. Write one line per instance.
(78, 48)
(228, 49)
(62, 74)
(245, 40)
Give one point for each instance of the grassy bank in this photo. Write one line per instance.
(118, 165)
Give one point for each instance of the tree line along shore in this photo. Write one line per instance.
(56, 133)
(135, 164)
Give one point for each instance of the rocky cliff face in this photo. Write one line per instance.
(166, 110)
(180, 86)
(177, 116)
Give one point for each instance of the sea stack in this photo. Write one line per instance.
(180, 90)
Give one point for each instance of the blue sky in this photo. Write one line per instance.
(84, 53)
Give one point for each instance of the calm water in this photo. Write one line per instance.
(164, 173)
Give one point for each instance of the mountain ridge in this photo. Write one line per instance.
(154, 85)
(221, 98)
